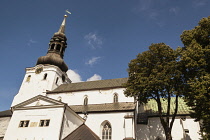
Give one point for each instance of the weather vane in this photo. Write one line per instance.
(67, 11)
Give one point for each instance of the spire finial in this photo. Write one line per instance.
(62, 27)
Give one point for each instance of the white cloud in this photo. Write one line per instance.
(93, 60)
(94, 77)
(93, 40)
(74, 76)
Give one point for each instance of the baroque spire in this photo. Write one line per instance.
(56, 49)
(62, 27)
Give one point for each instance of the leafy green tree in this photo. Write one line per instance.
(196, 63)
(155, 74)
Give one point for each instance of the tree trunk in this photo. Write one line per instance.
(168, 135)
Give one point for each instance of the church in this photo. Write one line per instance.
(49, 106)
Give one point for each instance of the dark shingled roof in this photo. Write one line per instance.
(108, 107)
(6, 113)
(82, 133)
(90, 85)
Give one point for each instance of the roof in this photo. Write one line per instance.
(83, 132)
(6, 113)
(90, 85)
(108, 107)
(151, 109)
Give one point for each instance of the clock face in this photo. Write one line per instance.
(39, 70)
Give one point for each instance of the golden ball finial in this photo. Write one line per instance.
(65, 16)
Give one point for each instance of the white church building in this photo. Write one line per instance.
(49, 107)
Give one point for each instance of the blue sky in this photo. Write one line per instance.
(103, 35)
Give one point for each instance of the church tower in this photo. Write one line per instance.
(49, 72)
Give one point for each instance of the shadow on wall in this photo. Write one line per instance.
(188, 137)
(150, 131)
(156, 129)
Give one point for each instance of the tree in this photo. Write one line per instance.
(196, 62)
(155, 74)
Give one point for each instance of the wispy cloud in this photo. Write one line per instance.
(94, 77)
(93, 60)
(30, 42)
(93, 40)
(174, 10)
(144, 5)
(199, 3)
(150, 9)
(74, 76)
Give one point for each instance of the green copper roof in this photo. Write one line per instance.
(151, 107)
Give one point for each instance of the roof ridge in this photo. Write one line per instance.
(97, 80)
(90, 85)
(103, 103)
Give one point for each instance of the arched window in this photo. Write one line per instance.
(28, 78)
(52, 47)
(56, 82)
(63, 78)
(86, 100)
(45, 76)
(58, 47)
(115, 99)
(106, 131)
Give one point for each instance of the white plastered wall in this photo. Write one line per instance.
(71, 121)
(155, 129)
(116, 120)
(94, 96)
(37, 85)
(4, 122)
(34, 132)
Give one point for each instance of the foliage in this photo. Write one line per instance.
(156, 74)
(196, 62)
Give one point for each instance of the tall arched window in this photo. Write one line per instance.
(45, 76)
(86, 100)
(56, 82)
(115, 99)
(106, 131)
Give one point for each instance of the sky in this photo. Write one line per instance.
(103, 35)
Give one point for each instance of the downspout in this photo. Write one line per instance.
(62, 122)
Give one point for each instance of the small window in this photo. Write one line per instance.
(56, 82)
(44, 123)
(86, 100)
(28, 78)
(115, 98)
(24, 123)
(45, 76)
(106, 131)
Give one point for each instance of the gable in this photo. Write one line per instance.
(82, 133)
(37, 102)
